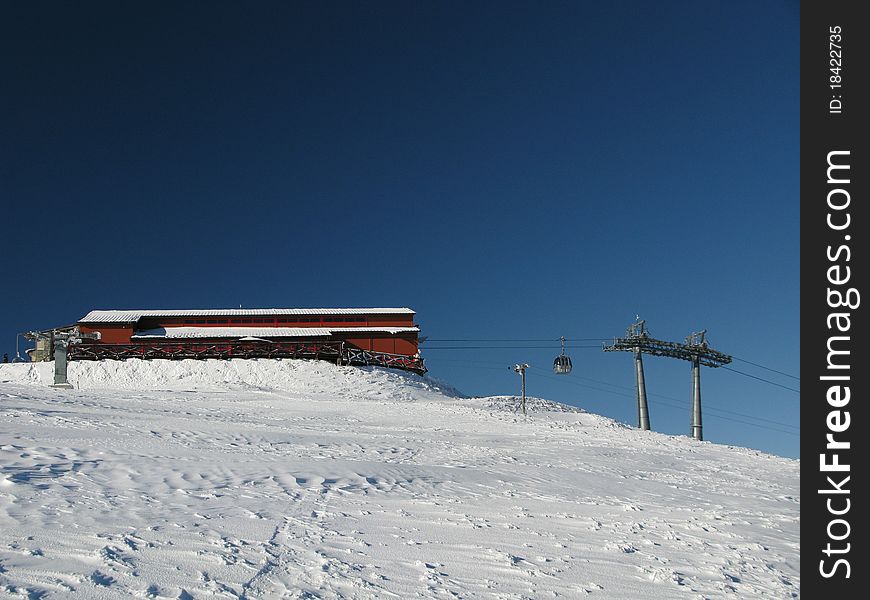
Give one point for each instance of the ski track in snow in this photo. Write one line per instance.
(297, 479)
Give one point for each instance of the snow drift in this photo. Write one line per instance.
(302, 479)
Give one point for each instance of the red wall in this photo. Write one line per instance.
(391, 320)
(406, 346)
(111, 333)
(405, 343)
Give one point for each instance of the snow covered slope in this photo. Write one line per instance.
(265, 479)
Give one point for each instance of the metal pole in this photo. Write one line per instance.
(642, 408)
(523, 375)
(60, 380)
(521, 369)
(696, 398)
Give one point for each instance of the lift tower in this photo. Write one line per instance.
(700, 353)
(635, 341)
(695, 350)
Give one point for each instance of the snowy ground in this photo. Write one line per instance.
(266, 479)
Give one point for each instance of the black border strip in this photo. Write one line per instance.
(835, 63)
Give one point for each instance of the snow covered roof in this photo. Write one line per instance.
(261, 332)
(231, 332)
(373, 329)
(131, 316)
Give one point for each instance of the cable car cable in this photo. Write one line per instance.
(681, 407)
(581, 339)
(607, 339)
(427, 348)
(763, 379)
(586, 346)
(712, 408)
(763, 367)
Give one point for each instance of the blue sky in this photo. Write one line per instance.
(508, 170)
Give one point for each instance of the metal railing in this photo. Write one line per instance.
(337, 352)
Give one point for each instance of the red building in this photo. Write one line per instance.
(381, 336)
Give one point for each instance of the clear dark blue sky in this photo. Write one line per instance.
(509, 170)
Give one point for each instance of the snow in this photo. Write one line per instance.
(301, 479)
(229, 332)
(234, 332)
(131, 316)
